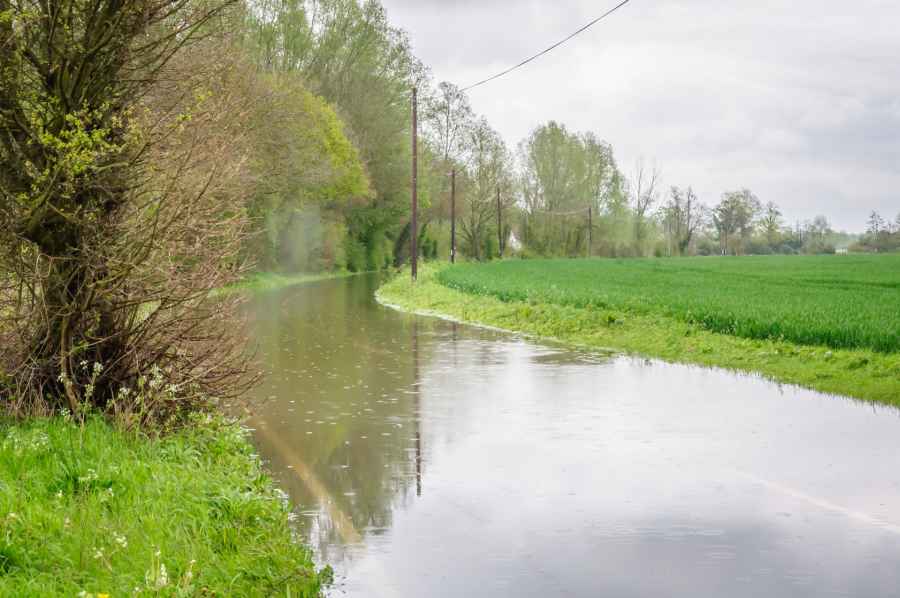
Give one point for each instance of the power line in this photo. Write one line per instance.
(551, 48)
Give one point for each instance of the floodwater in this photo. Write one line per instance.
(428, 458)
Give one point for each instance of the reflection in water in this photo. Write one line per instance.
(429, 458)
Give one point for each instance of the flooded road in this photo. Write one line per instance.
(434, 459)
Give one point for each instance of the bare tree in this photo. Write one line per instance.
(771, 223)
(644, 194)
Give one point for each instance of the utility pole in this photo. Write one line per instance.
(590, 230)
(414, 224)
(453, 216)
(499, 225)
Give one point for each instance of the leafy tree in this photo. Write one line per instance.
(735, 215)
(119, 182)
(564, 174)
(347, 52)
(448, 122)
(309, 174)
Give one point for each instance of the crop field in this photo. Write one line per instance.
(843, 302)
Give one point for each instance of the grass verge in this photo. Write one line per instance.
(859, 373)
(271, 281)
(92, 511)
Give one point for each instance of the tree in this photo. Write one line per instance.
(643, 195)
(119, 180)
(488, 170)
(309, 175)
(348, 52)
(682, 216)
(876, 224)
(564, 174)
(771, 223)
(815, 236)
(448, 121)
(735, 215)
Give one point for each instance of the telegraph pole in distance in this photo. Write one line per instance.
(453, 216)
(414, 224)
(499, 225)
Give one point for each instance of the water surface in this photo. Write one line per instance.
(429, 458)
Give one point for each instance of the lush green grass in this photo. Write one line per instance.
(270, 281)
(94, 510)
(861, 373)
(842, 302)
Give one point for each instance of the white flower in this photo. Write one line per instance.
(162, 580)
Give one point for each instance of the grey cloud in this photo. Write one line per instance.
(798, 100)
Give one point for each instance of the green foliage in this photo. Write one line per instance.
(308, 171)
(91, 509)
(563, 175)
(856, 373)
(839, 302)
(352, 56)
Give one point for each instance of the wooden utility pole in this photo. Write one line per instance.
(590, 230)
(453, 216)
(499, 225)
(414, 223)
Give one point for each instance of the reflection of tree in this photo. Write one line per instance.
(333, 352)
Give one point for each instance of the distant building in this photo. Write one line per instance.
(842, 251)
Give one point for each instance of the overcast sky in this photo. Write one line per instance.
(799, 100)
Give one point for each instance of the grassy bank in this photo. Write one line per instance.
(862, 372)
(92, 511)
(271, 281)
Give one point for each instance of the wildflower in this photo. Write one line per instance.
(121, 540)
(98, 554)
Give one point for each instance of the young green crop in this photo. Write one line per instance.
(843, 302)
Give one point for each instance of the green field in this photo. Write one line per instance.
(842, 302)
